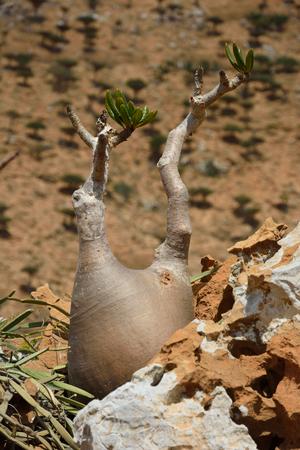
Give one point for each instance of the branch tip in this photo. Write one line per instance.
(102, 120)
(198, 80)
(87, 138)
(224, 78)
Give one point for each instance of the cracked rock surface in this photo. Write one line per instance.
(231, 378)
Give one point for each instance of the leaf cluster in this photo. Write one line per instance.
(237, 60)
(125, 113)
(26, 390)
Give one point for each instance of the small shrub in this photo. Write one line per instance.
(102, 85)
(71, 182)
(72, 179)
(21, 59)
(156, 143)
(233, 128)
(69, 131)
(98, 65)
(31, 269)
(89, 31)
(37, 4)
(229, 98)
(163, 69)
(21, 66)
(242, 199)
(136, 84)
(252, 141)
(36, 126)
(262, 23)
(215, 22)
(203, 192)
(69, 222)
(229, 112)
(211, 168)
(86, 18)
(286, 64)
(4, 221)
(38, 151)
(246, 211)
(263, 64)
(62, 74)
(124, 189)
(93, 4)
(52, 42)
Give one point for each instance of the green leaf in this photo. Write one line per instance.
(71, 388)
(110, 111)
(54, 436)
(23, 360)
(239, 57)
(148, 119)
(125, 115)
(29, 399)
(145, 113)
(118, 100)
(138, 114)
(249, 60)
(131, 108)
(111, 106)
(38, 302)
(201, 275)
(9, 436)
(229, 55)
(63, 432)
(9, 325)
(71, 401)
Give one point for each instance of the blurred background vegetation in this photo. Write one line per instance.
(241, 166)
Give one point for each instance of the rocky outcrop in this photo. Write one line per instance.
(231, 378)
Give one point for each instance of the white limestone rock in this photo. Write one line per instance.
(140, 416)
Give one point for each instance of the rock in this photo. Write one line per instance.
(231, 378)
(262, 241)
(214, 298)
(143, 415)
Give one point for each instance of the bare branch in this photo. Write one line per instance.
(120, 137)
(5, 161)
(223, 87)
(175, 248)
(100, 160)
(87, 137)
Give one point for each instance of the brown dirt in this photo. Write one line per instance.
(131, 42)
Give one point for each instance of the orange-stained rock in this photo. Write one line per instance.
(55, 338)
(215, 297)
(45, 294)
(264, 240)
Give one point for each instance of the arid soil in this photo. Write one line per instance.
(241, 167)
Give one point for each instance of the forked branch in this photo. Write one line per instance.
(101, 145)
(87, 137)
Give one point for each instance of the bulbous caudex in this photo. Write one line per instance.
(120, 317)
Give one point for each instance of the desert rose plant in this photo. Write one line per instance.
(119, 316)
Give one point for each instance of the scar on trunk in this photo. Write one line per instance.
(165, 278)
